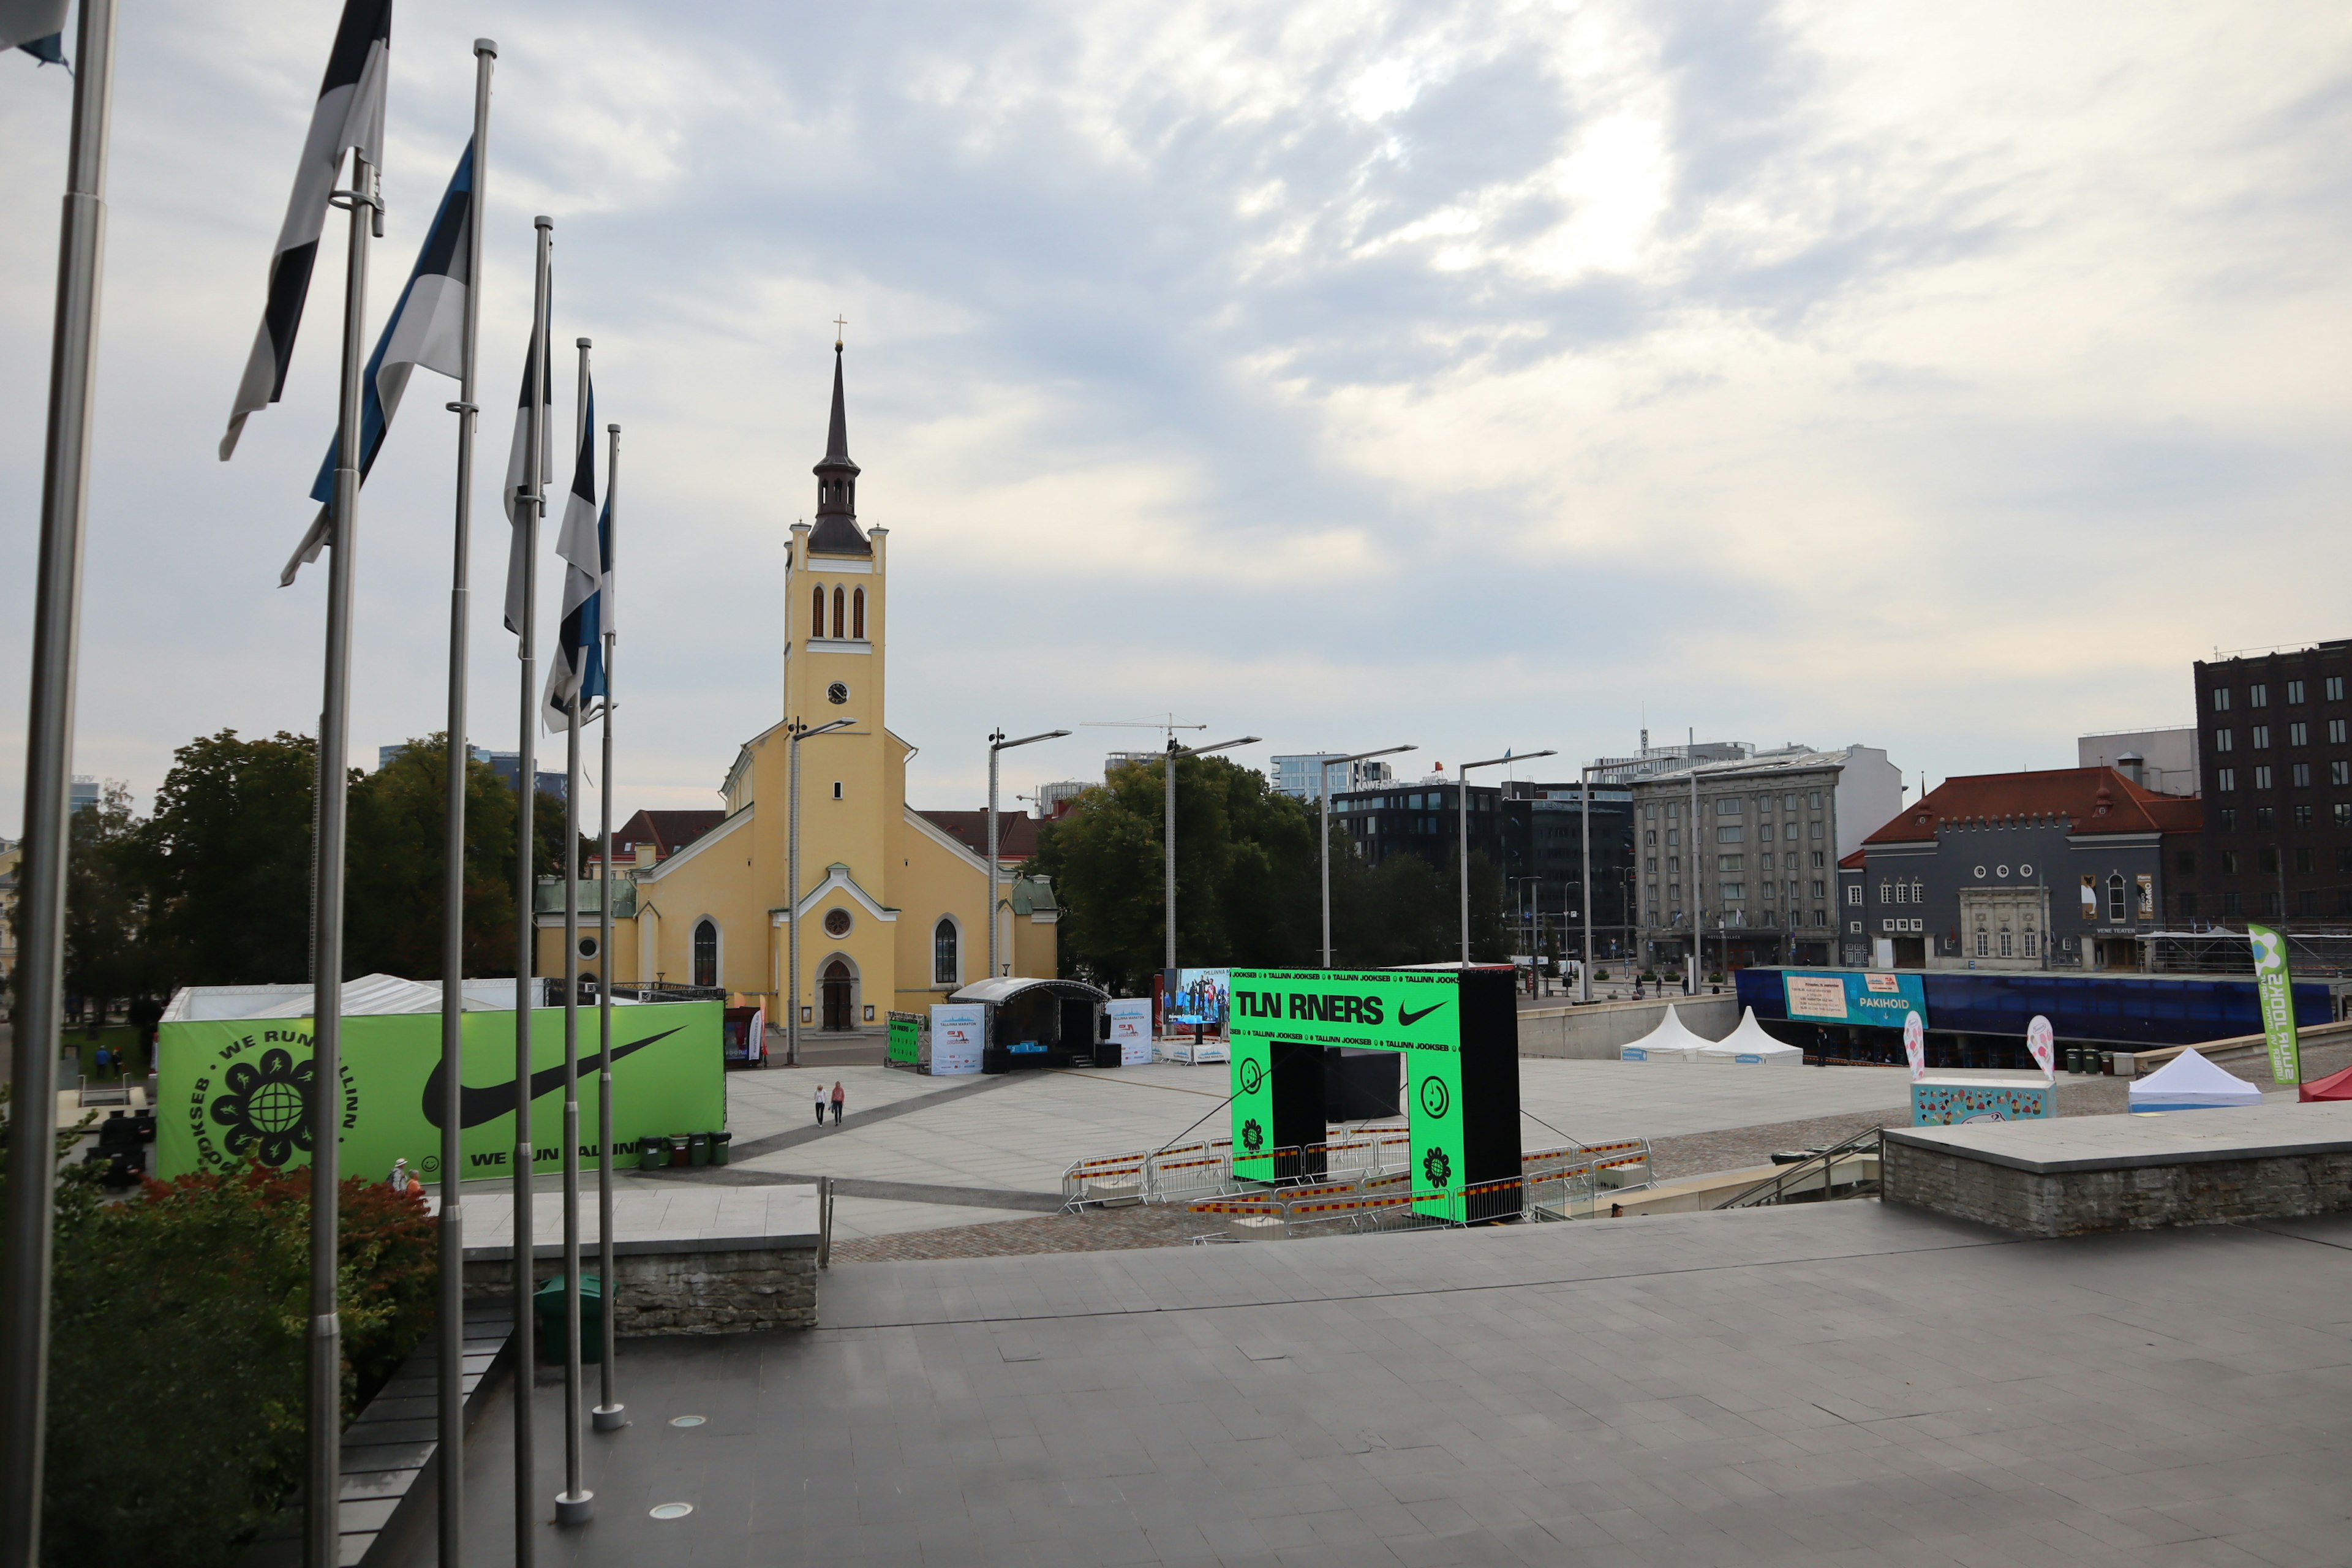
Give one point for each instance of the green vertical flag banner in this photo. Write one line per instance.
(237, 1090)
(2274, 990)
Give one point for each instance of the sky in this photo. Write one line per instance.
(1484, 376)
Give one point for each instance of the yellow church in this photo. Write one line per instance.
(891, 903)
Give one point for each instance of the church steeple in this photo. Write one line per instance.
(836, 531)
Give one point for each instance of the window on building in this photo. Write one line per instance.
(1815, 860)
(857, 614)
(1730, 805)
(1730, 890)
(2232, 905)
(2262, 779)
(2115, 898)
(1854, 894)
(2303, 816)
(2225, 741)
(816, 615)
(2005, 940)
(1918, 892)
(2188, 902)
(1674, 811)
(1816, 831)
(2271, 902)
(2298, 733)
(2266, 859)
(2293, 692)
(2185, 862)
(2301, 774)
(1789, 802)
(944, 971)
(1732, 833)
(1650, 863)
(1731, 863)
(2266, 818)
(1984, 942)
(1674, 864)
(2344, 814)
(2344, 856)
(2229, 862)
(2258, 695)
(2302, 861)
(2229, 815)
(706, 952)
(1673, 837)
(2335, 689)
(1821, 888)
(2261, 737)
(2225, 780)
(2335, 731)
(2220, 700)
(1764, 832)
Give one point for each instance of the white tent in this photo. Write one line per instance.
(367, 995)
(1670, 1041)
(2189, 1082)
(1749, 1045)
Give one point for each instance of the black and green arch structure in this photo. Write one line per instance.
(1455, 1026)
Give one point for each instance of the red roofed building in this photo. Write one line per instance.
(2057, 869)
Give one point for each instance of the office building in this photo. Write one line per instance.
(2162, 760)
(1652, 761)
(1301, 776)
(508, 765)
(2276, 760)
(86, 793)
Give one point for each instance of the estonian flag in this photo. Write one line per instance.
(427, 328)
(581, 544)
(518, 481)
(350, 114)
(35, 27)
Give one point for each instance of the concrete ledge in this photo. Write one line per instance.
(2068, 1177)
(1593, 1031)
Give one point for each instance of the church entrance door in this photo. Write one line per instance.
(836, 984)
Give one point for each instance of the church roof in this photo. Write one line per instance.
(1016, 832)
(668, 831)
(836, 531)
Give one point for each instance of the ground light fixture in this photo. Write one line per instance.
(997, 742)
(1323, 791)
(1462, 800)
(1176, 754)
(792, 886)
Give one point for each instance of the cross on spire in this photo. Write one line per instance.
(839, 327)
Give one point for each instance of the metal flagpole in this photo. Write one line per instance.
(792, 896)
(1584, 874)
(451, 1387)
(532, 505)
(1168, 855)
(607, 1415)
(574, 1504)
(49, 768)
(326, 1371)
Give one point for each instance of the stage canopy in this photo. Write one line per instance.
(1749, 1045)
(1670, 1041)
(2189, 1082)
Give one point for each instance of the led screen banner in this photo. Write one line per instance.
(232, 1091)
(1844, 997)
(1430, 1017)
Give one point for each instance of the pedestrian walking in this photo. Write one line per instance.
(839, 1096)
(402, 1181)
(820, 1105)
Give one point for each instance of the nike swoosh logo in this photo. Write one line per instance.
(476, 1106)
(1407, 1017)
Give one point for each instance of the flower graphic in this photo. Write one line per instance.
(1252, 1136)
(266, 1108)
(1437, 1167)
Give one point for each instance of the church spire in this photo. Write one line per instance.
(836, 531)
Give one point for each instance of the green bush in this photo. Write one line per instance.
(177, 1363)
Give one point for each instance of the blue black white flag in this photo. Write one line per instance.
(35, 27)
(580, 544)
(519, 480)
(350, 114)
(427, 327)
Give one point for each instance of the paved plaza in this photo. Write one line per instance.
(1839, 1385)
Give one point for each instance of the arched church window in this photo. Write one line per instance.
(706, 951)
(857, 615)
(816, 616)
(840, 623)
(943, 952)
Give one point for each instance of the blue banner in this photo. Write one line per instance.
(1847, 996)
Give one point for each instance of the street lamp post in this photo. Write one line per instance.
(1462, 801)
(800, 732)
(997, 742)
(1323, 792)
(1175, 753)
(1584, 878)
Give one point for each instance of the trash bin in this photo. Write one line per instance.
(2107, 1063)
(698, 1148)
(2074, 1058)
(652, 1152)
(548, 1302)
(677, 1148)
(719, 1143)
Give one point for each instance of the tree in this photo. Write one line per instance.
(226, 860)
(106, 953)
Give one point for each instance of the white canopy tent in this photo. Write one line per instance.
(2189, 1082)
(368, 995)
(1670, 1041)
(1749, 1045)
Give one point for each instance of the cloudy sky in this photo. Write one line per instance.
(1941, 378)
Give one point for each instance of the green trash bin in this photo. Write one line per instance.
(698, 1148)
(652, 1152)
(548, 1302)
(2074, 1058)
(719, 1143)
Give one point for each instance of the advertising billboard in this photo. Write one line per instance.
(1202, 999)
(1131, 1029)
(959, 1029)
(230, 1091)
(906, 1039)
(1844, 997)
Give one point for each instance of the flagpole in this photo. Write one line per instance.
(531, 506)
(365, 204)
(48, 767)
(451, 1389)
(608, 1416)
(575, 1503)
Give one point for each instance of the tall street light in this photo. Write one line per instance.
(1462, 800)
(997, 742)
(1323, 793)
(1175, 753)
(792, 889)
(1584, 878)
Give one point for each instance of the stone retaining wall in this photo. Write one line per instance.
(2138, 1197)
(1594, 1031)
(713, 1291)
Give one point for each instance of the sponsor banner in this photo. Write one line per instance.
(958, 1031)
(1131, 1029)
(2042, 1041)
(231, 1090)
(2274, 991)
(1415, 1012)
(906, 1039)
(1915, 1046)
(1944, 1102)
(1843, 996)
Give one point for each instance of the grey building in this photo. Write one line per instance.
(2057, 869)
(1850, 917)
(1301, 776)
(1742, 854)
(1652, 761)
(508, 765)
(2162, 760)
